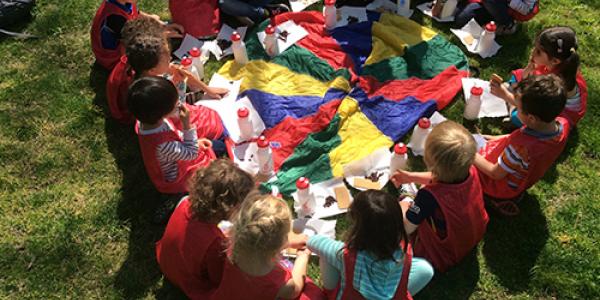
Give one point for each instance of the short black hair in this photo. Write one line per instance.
(151, 98)
(543, 96)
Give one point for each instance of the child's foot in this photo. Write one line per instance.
(507, 29)
(277, 9)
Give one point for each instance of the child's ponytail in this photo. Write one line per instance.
(561, 43)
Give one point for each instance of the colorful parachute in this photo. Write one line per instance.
(333, 99)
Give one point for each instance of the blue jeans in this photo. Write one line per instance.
(484, 12)
(253, 9)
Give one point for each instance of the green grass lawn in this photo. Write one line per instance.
(76, 204)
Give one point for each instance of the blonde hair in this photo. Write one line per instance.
(260, 228)
(449, 152)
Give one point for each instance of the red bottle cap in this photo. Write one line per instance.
(491, 26)
(262, 142)
(243, 112)
(270, 29)
(329, 2)
(302, 183)
(186, 62)
(424, 123)
(400, 149)
(235, 37)
(195, 52)
(476, 91)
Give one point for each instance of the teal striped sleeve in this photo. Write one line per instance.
(327, 248)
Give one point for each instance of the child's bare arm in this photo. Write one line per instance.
(500, 90)
(493, 170)
(295, 285)
(402, 176)
(195, 84)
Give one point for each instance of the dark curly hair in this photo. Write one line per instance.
(144, 52)
(218, 189)
(141, 26)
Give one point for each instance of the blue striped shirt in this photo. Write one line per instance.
(170, 152)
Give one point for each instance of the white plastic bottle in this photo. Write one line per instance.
(399, 158)
(305, 198)
(473, 104)
(197, 61)
(486, 40)
(403, 8)
(189, 66)
(330, 13)
(264, 156)
(245, 123)
(448, 9)
(239, 49)
(420, 133)
(271, 46)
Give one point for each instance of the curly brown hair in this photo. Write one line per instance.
(218, 189)
(141, 26)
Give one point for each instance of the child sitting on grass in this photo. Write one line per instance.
(191, 253)
(508, 165)
(375, 260)
(555, 52)
(255, 269)
(107, 25)
(170, 156)
(448, 213)
(506, 13)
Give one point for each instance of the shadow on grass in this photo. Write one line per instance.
(139, 272)
(458, 282)
(512, 245)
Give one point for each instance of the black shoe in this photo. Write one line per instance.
(277, 9)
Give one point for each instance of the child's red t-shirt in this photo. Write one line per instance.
(525, 155)
(191, 253)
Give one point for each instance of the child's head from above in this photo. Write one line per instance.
(141, 26)
(376, 224)
(217, 190)
(449, 152)
(148, 55)
(556, 48)
(261, 227)
(540, 99)
(152, 98)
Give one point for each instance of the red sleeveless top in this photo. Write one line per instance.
(150, 142)
(200, 18)
(236, 284)
(117, 85)
(207, 121)
(350, 293)
(108, 58)
(573, 116)
(184, 249)
(466, 220)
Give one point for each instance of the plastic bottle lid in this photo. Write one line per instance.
(243, 112)
(195, 52)
(262, 142)
(491, 26)
(400, 149)
(329, 2)
(186, 62)
(270, 29)
(235, 36)
(424, 123)
(302, 183)
(476, 91)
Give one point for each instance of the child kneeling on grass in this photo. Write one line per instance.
(107, 25)
(191, 252)
(255, 269)
(375, 260)
(508, 165)
(448, 213)
(170, 156)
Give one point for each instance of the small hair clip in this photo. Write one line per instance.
(559, 42)
(572, 50)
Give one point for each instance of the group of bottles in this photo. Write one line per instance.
(264, 154)
(195, 63)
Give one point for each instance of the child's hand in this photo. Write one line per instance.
(174, 30)
(499, 90)
(204, 144)
(399, 177)
(303, 253)
(297, 241)
(216, 93)
(184, 116)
